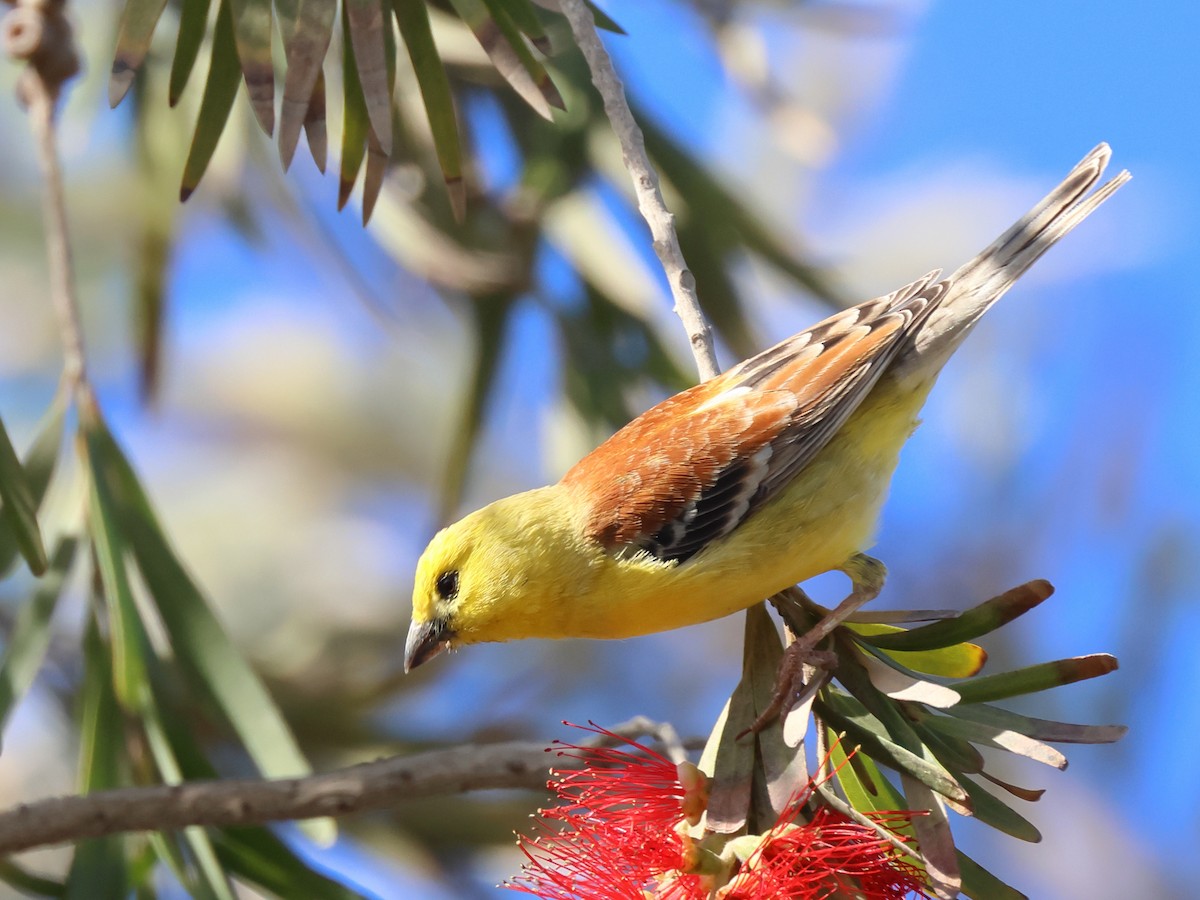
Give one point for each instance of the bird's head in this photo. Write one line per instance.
(487, 577)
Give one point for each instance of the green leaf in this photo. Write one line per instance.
(1040, 729)
(377, 156)
(257, 856)
(133, 40)
(252, 27)
(38, 465)
(602, 20)
(98, 871)
(355, 123)
(956, 661)
(846, 714)
(977, 621)
(525, 18)
(305, 49)
(512, 60)
(202, 648)
(223, 76)
(30, 634)
(18, 505)
(314, 124)
(1032, 679)
(991, 810)
(28, 883)
(366, 23)
(210, 882)
(980, 884)
(864, 784)
(193, 17)
(997, 737)
(413, 18)
(125, 628)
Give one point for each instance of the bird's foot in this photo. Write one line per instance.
(802, 662)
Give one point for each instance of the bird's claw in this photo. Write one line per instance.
(795, 676)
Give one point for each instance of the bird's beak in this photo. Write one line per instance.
(425, 641)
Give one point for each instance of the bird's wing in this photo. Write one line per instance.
(688, 471)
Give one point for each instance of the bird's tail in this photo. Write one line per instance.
(972, 290)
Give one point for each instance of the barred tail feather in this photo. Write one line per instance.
(972, 290)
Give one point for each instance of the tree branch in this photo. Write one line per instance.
(248, 801)
(645, 185)
(38, 33)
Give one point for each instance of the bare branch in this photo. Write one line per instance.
(39, 34)
(645, 185)
(237, 802)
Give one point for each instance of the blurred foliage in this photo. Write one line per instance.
(409, 70)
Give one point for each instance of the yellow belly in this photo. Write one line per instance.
(826, 515)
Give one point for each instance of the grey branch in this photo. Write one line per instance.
(369, 786)
(645, 185)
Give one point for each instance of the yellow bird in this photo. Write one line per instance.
(737, 488)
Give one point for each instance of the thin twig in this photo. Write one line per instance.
(40, 35)
(645, 185)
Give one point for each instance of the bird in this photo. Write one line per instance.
(742, 486)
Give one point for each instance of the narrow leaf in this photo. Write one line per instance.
(1029, 795)
(18, 505)
(956, 661)
(844, 714)
(366, 23)
(133, 40)
(934, 838)
(1040, 729)
(991, 810)
(305, 49)
(1031, 679)
(98, 870)
(27, 883)
(354, 120)
(258, 856)
(413, 18)
(252, 28)
(514, 63)
(977, 621)
(980, 884)
(223, 77)
(901, 685)
(314, 125)
(525, 18)
(1000, 738)
(30, 635)
(377, 157)
(125, 631)
(38, 466)
(193, 19)
(211, 882)
(201, 645)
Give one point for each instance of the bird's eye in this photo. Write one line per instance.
(447, 585)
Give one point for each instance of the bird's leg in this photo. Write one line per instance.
(867, 576)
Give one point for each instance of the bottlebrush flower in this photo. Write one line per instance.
(621, 832)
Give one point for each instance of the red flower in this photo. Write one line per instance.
(621, 833)
(828, 856)
(618, 829)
